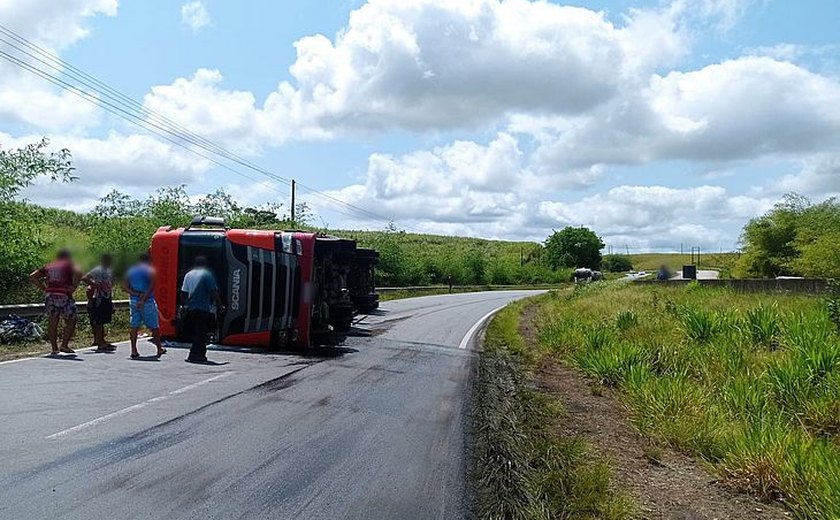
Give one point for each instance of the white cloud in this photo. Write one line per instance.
(739, 109)
(435, 64)
(195, 15)
(202, 106)
(136, 164)
(819, 177)
(25, 98)
(461, 182)
(54, 24)
(658, 217)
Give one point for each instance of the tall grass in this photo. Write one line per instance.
(523, 467)
(750, 383)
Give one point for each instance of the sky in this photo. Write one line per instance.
(659, 124)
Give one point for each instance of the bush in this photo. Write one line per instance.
(617, 263)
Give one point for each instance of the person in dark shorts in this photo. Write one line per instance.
(58, 280)
(199, 293)
(100, 284)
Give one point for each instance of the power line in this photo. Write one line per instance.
(127, 108)
(116, 111)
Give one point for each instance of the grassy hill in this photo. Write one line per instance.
(651, 262)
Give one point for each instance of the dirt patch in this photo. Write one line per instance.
(664, 483)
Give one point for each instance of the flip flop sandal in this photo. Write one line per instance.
(67, 350)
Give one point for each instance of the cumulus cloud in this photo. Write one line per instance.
(131, 163)
(819, 177)
(489, 190)
(658, 217)
(461, 182)
(195, 15)
(200, 104)
(436, 64)
(25, 98)
(738, 109)
(54, 24)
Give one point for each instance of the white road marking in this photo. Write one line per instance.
(118, 413)
(470, 333)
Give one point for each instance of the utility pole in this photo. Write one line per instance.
(293, 202)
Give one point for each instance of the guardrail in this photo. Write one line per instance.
(32, 310)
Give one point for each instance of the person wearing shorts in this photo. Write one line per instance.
(139, 283)
(100, 283)
(58, 280)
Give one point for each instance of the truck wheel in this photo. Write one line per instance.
(344, 324)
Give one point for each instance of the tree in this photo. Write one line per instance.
(794, 238)
(20, 167)
(770, 240)
(574, 247)
(219, 204)
(617, 263)
(170, 206)
(116, 204)
(21, 244)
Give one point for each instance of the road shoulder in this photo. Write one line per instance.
(664, 483)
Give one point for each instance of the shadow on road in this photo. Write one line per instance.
(64, 357)
(145, 358)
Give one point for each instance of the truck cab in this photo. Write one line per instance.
(282, 289)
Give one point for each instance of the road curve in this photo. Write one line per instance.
(371, 429)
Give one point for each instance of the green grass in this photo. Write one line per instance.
(651, 262)
(748, 382)
(524, 468)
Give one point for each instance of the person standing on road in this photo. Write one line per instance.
(100, 284)
(58, 280)
(139, 283)
(198, 294)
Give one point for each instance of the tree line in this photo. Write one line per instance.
(796, 237)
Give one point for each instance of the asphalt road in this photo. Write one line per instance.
(373, 428)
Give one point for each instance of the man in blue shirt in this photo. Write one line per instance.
(139, 283)
(199, 293)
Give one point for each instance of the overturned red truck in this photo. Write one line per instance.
(282, 289)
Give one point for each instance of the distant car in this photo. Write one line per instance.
(642, 273)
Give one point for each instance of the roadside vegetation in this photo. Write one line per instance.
(795, 238)
(749, 383)
(523, 468)
(123, 225)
